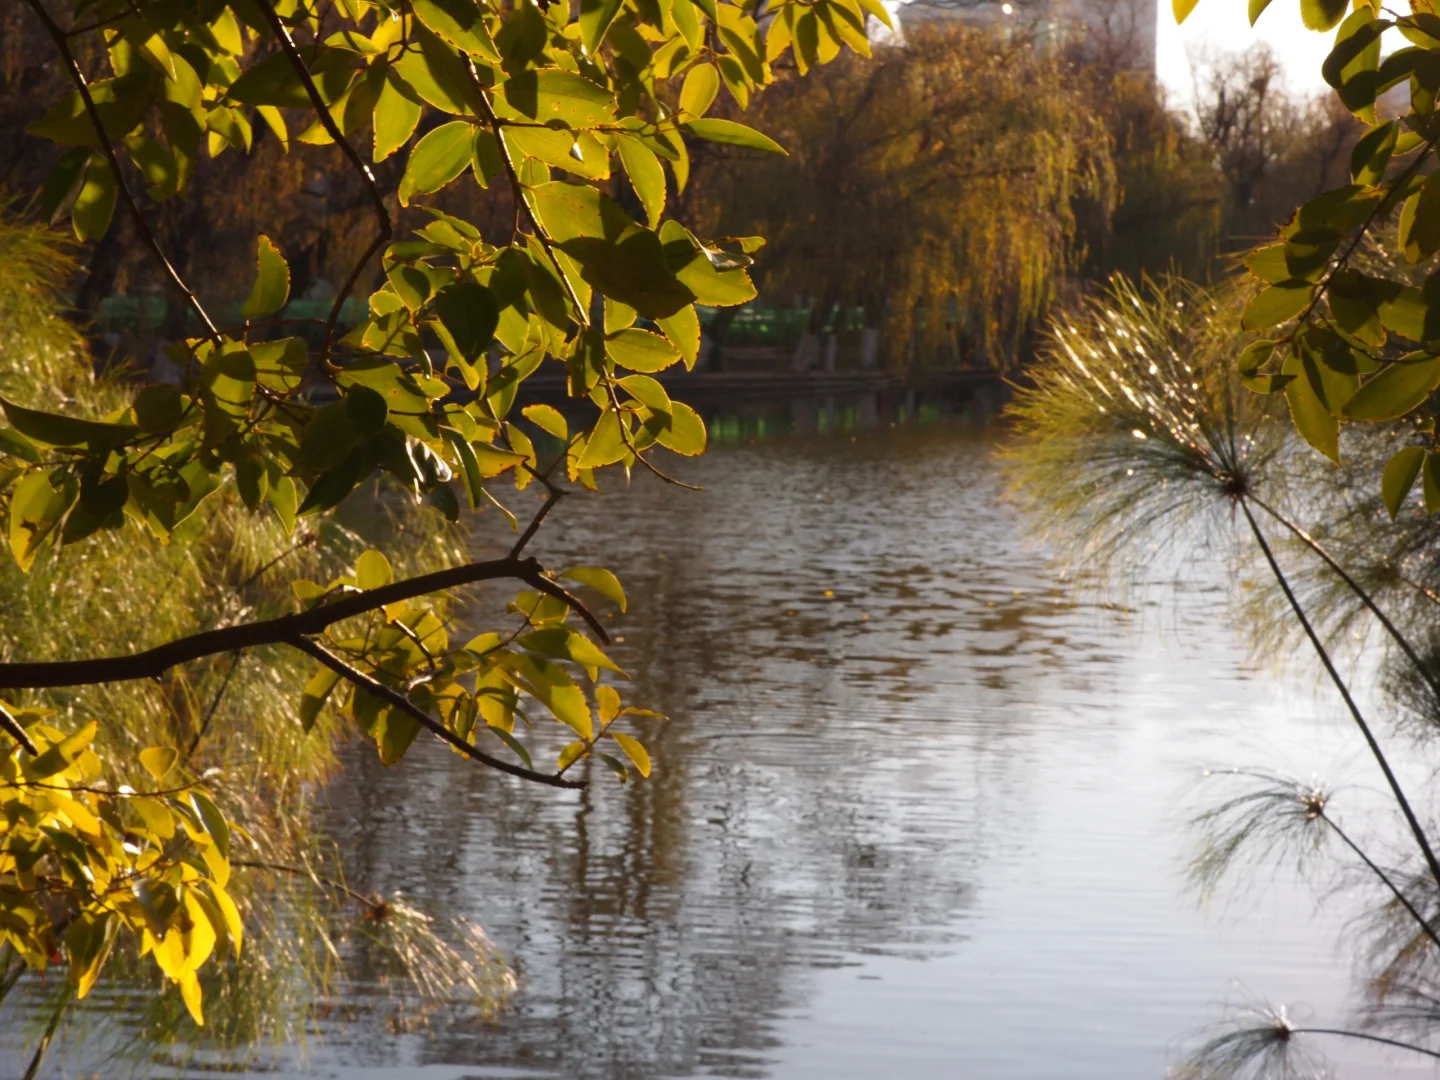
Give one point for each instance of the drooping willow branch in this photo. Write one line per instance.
(283, 630)
(322, 111)
(1404, 803)
(82, 86)
(395, 699)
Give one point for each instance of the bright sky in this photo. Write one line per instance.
(1224, 25)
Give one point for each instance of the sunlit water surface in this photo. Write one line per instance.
(918, 811)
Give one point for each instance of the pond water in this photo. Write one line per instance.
(918, 810)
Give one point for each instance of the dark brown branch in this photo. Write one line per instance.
(382, 215)
(282, 630)
(555, 494)
(398, 700)
(517, 192)
(77, 76)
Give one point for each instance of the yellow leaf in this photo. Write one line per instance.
(200, 939)
(608, 698)
(159, 760)
(190, 991)
(634, 751)
(234, 928)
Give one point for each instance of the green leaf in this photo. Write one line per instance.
(606, 443)
(410, 284)
(1321, 14)
(694, 269)
(213, 820)
(331, 487)
(1268, 264)
(1182, 9)
(469, 465)
(121, 104)
(640, 350)
(573, 752)
(395, 733)
(1257, 8)
(460, 22)
(646, 176)
(1423, 232)
(158, 408)
(272, 81)
(686, 433)
(1399, 477)
(373, 571)
(648, 392)
(438, 158)
(1266, 384)
(615, 765)
(566, 644)
(437, 75)
(702, 83)
(1404, 313)
(1312, 416)
(284, 498)
(617, 256)
(158, 761)
(1353, 305)
(513, 743)
(1397, 389)
(95, 205)
(397, 112)
(1371, 155)
(272, 281)
(683, 330)
(62, 755)
(595, 19)
(1275, 305)
(252, 478)
(1352, 66)
(470, 314)
(634, 751)
(732, 134)
(554, 95)
(317, 692)
(13, 444)
(52, 429)
(599, 579)
(548, 419)
(63, 184)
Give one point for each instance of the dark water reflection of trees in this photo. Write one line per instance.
(795, 818)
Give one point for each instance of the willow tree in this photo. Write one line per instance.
(551, 108)
(931, 184)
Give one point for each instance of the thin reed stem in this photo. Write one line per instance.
(1414, 822)
(1361, 594)
(1384, 878)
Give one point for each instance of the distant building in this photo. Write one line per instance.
(1118, 32)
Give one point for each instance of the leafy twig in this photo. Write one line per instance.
(397, 700)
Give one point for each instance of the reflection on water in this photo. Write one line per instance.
(914, 812)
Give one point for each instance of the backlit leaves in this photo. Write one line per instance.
(272, 281)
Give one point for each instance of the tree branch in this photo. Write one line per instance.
(398, 700)
(77, 76)
(287, 45)
(282, 630)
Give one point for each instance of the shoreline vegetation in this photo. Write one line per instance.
(234, 721)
